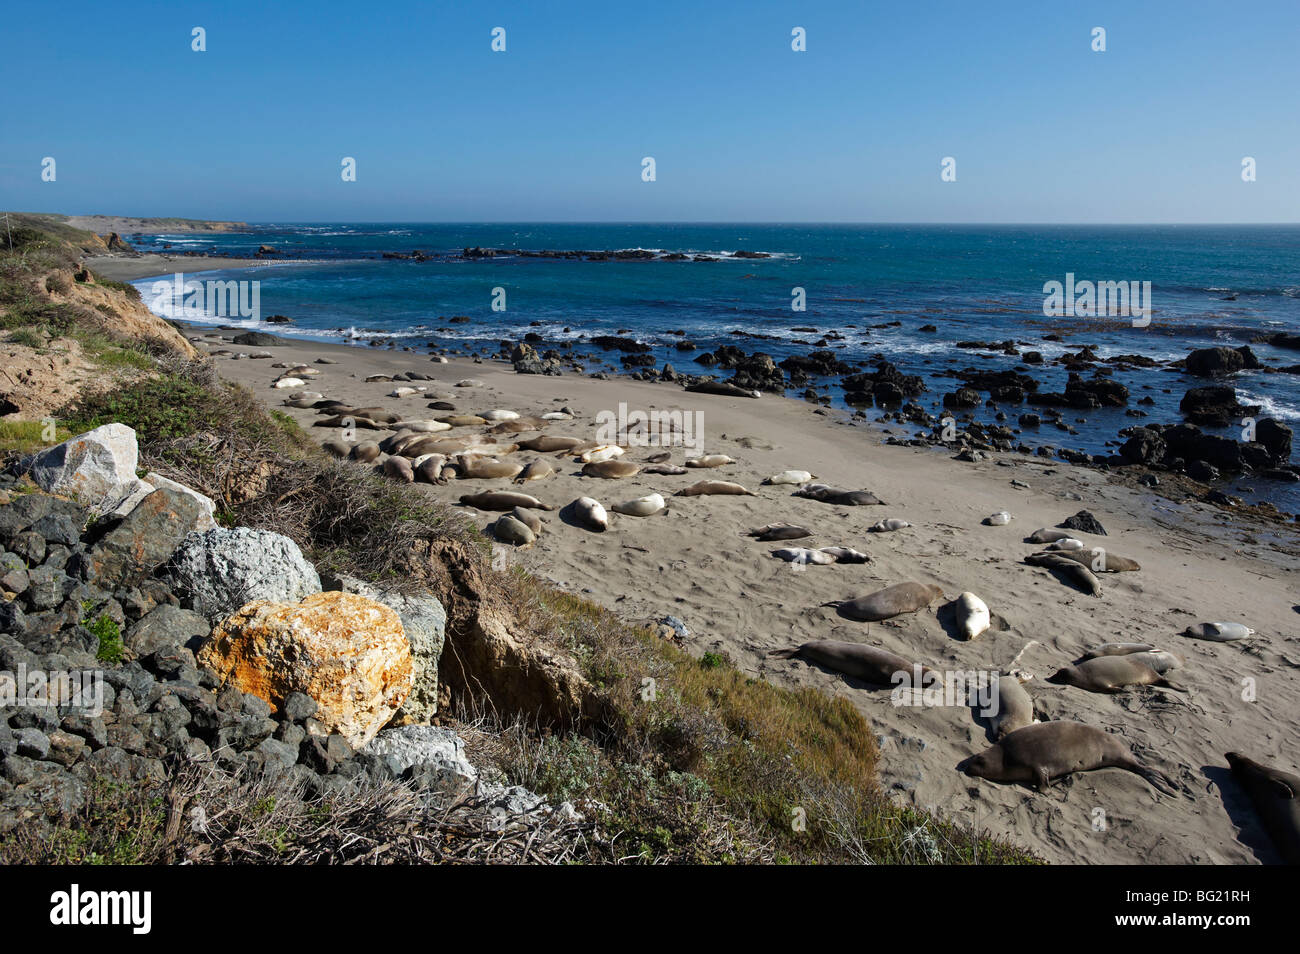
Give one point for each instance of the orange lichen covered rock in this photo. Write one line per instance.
(347, 652)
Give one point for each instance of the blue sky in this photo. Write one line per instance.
(1043, 129)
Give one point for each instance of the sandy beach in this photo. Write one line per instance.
(123, 268)
(695, 561)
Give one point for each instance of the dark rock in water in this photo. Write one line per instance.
(1097, 391)
(257, 339)
(1144, 446)
(1276, 436)
(616, 343)
(1210, 362)
(962, 397)
(1200, 470)
(1215, 405)
(1030, 420)
(1084, 522)
(1188, 442)
(759, 372)
(1283, 339)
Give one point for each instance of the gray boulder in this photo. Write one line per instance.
(166, 627)
(145, 538)
(425, 622)
(97, 468)
(439, 753)
(217, 571)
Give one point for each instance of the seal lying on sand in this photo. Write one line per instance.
(720, 387)
(971, 615)
(1117, 649)
(891, 601)
(780, 531)
(1067, 569)
(646, 506)
(1099, 560)
(1276, 796)
(893, 523)
(834, 495)
(1015, 706)
(589, 512)
(868, 663)
(1040, 753)
(502, 500)
(611, 469)
(1217, 632)
(802, 555)
(1111, 674)
(713, 487)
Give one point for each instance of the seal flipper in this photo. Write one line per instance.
(1158, 780)
(1167, 684)
(784, 653)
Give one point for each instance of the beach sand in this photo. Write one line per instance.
(695, 562)
(129, 268)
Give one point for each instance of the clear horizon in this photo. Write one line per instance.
(1044, 129)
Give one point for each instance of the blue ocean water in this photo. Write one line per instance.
(1209, 285)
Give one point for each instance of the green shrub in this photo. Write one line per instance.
(111, 648)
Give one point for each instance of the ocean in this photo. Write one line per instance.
(875, 286)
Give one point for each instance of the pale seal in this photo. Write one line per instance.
(590, 514)
(485, 468)
(535, 470)
(999, 519)
(1037, 754)
(399, 468)
(971, 615)
(710, 460)
(646, 506)
(891, 601)
(846, 555)
(886, 526)
(1218, 632)
(789, 477)
(802, 555)
(601, 453)
(1117, 649)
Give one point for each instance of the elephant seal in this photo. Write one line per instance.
(485, 468)
(868, 663)
(803, 556)
(834, 495)
(509, 530)
(710, 460)
(667, 470)
(378, 415)
(789, 477)
(1067, 543)
(502, 500)
(1110, 674)
(1276, 797)
(720, 387)
(1071, 570)
(660, 458)
(423, 427)
(461, 420)
(611, 469)
(971, 614)
(891, 601)
(1117, 649)
(780, 531)
(535, 471)
(846, 555)
(1159, 660)
(590, 514)
(528, 519)
(1015, 706)
(999, 519)
(600, 453)
(550, 443)
(499, 414)
(336, 447)
(366, 452)
(1099, 560)
(429, 469)
(1037, 754)
(350, 420)
(399, 468)
(893, 523)
(646, 506)
(1048, 535)
(1218, 632)
(713, 487)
